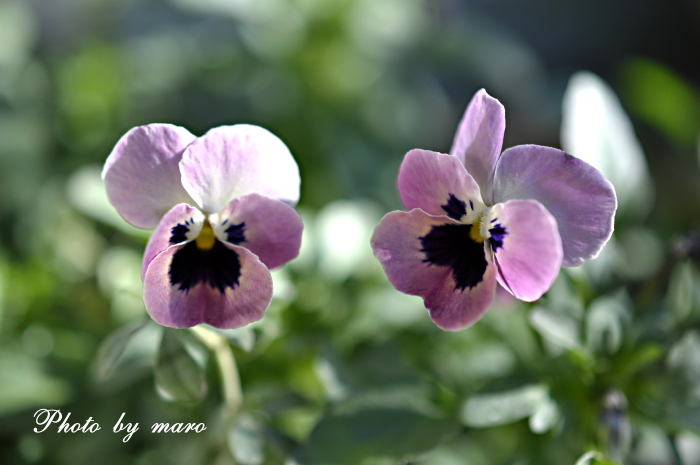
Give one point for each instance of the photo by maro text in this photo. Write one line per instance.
(46, 417)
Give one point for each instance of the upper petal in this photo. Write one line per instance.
(436, 183)
(238, 296)
(526, 246)
(269, 228)
(479, 140)
(580, 198)
(181, 223)
(230, 161)
(141, 175)
(421, 256)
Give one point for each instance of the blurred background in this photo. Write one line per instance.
(343, 369)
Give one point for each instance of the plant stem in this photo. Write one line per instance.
(230, 380)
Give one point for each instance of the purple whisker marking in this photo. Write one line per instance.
(224, 223)
(451, 245)
(179, 233)
(498, 233)
(494, 220)
(471, 204)
(235, 233)
(455, 208)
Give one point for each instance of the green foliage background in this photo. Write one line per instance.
(342, 369)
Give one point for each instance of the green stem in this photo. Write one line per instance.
(230, 380)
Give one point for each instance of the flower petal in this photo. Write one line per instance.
(231, 161)
(181, 223)
(141, 175)
(597, 130)
(527, 248)
(580, 198)
(479, 140)
(269, 228)
(456, 289)
(436, 183)
(232, 306)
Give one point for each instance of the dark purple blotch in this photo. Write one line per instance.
(451, 245)
(219, 267)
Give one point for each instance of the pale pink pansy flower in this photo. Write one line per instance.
(221, 206)
(478, 216)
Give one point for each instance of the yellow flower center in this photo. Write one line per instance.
(475, 231)
(206, 238)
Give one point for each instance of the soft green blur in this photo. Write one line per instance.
(343, 369)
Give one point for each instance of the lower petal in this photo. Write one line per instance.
(267, 227)
(414, 250)
(235, 297)
(527, 248)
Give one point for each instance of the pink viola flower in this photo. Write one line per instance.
(220, 206)
(478, 216)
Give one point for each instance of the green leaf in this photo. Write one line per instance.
(640, 358)
(588, 458)
(545, 417)
(556, 327)
(25, 383)
(486, 410)
(112, 348)
(594, 458)
(178, 376)
(662, 98)
(349, 439)
(679, 298)
(604, 324)
(640, 252)
(685, 355)
(246, 441)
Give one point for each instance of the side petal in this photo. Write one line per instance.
(580, 198)
(269, 228)
(479, 139)
(453, 292)
(235, 306)
(527, 248)
(182, 223)
(437, 183)
(142, 176)
(597, 130)
(231, 161)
